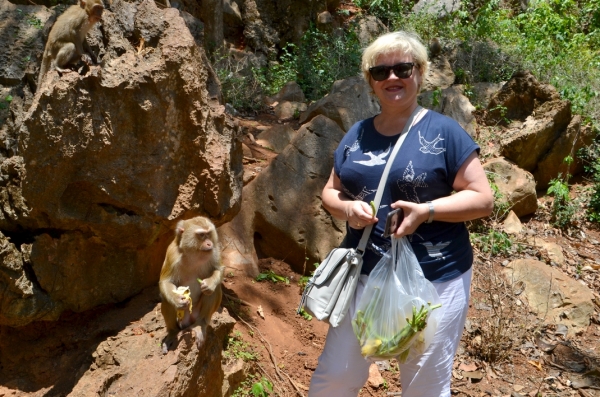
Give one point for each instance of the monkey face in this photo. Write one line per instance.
(196, 234)
(96, 14)
(203, 237)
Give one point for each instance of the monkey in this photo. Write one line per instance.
(66, 42)
(435, 47)
(190, 279)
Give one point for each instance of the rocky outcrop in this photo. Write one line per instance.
(528, 143)
(552, 164)
(518, 98)
(348, 102)
(454, 104)
(113, 350)
(553, 295)
(109, 161)
(282, 215)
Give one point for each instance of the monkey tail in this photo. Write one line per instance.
(43, 69)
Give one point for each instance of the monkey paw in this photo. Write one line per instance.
(87, 59)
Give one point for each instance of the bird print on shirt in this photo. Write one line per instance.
(429, 147)
(374, 159)
(409, 183)
(360, 196)
(435, 251)
(354, 147)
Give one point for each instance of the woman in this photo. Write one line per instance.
(438, 181)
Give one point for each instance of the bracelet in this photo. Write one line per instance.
(431, 212)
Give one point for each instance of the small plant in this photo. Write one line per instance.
(237, 348)
(494, 242)
(6, 102)
(270, 275)
(303, 281)
(562, 207)
(34, 21)
(501, 111)
(437, 96)
(262, 388)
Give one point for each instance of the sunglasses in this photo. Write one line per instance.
(402, 70)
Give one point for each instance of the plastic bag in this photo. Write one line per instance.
(398, 312)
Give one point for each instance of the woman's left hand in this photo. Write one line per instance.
(414, 215)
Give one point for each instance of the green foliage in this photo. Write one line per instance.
(238, 348)
(562, 208)
(273, 78)
(493, 242)
(34, 21)
(262, 388)
(270, 275)
(304, 280)
(436, 98)
(319, 60)
(254, 388)
(590, 156)
(240, 85)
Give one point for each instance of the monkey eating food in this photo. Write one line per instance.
(66, 41)
(190, 279)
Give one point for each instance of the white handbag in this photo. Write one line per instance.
(330, 290)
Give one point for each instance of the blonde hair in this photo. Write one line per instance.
(401, 41)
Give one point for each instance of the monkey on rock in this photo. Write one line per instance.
(190, 279)
(66, 42)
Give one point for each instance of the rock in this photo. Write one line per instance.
(114, 350)
(110, 160)
(349, 101)
(235, 373)
(290, 92)
(453, 104)
(439, 8)
(553, 295)
(276, 137)
(512, 224)
(23, 39)
(555, 252)
(375, 379)
(575, 137)
(289, 110)
(527, 144)
(483, 93)
(516, 186)
(368, 28)
(282, 215)
(439, 74)
(271, 24)
(518, 98)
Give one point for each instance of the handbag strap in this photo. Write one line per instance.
(407, 126)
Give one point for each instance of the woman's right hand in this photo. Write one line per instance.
(359, 214)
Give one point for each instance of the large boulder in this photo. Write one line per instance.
(453, 103)
(518, 98)
(282, 215)
(113, 350)
(111, 160)
(350, 100)
(531, 141)
(552, 294)
(575, 137)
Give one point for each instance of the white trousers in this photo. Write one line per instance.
(342, 371)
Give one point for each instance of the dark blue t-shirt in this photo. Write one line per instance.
(424, 169)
